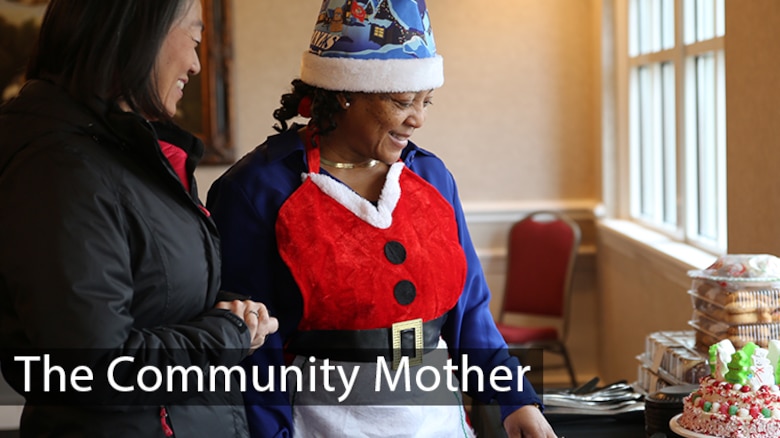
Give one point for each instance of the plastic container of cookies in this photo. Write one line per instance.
(672, 355)
(740, 307)
(649, 382)
(717, 289)
(679, 366)
(736, 298)
(735, 272)
(670, 358)
(710, 331)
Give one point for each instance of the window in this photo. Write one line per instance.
(676, 119)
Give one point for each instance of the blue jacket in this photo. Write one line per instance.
(245, 202)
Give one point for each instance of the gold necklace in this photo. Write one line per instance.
(369, 163)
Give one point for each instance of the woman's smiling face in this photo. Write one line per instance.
(379, 126)
(178, 58)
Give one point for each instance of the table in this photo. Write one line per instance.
(598, 427)
(486, 421)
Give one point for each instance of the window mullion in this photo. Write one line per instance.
(681, 94)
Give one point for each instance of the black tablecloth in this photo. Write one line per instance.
(486, 420)
(600, 427)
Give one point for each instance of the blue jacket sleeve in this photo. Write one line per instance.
(251, 266)
(470, 330)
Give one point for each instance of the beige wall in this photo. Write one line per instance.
(516, 119)
(640, 290)
(753, 98)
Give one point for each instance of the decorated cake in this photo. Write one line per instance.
(740, 398)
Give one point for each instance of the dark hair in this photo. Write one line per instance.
(106, 49)
(324, 105)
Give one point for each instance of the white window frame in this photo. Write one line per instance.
(666, 65)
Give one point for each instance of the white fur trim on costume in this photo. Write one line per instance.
(373, 75)
(380, 216)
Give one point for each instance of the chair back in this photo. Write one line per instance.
(541, 252)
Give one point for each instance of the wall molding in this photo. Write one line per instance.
(510, 211)
(489, 221)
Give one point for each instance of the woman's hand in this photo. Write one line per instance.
(528, 422)
(256, 318)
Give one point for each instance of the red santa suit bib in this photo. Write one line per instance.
(361, 266)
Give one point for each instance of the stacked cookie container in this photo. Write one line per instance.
(736, 298)
(669, 359)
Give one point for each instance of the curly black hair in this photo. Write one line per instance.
(324, 106)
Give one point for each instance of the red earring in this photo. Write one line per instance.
(304, 107)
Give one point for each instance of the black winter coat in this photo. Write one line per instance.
(103, 253)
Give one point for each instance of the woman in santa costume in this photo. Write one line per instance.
(357, 240)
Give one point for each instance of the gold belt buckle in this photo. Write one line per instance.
(398, 328)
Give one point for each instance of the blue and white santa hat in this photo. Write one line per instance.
(373, 46)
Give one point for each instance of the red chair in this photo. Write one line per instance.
(541, 253)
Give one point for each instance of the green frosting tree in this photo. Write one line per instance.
(713, 350)
(741, 361)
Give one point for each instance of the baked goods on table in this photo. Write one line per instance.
(736, 298)
(669, 359)
(740, 398)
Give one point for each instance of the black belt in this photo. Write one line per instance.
(411, 338)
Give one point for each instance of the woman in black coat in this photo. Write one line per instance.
(109, 263)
